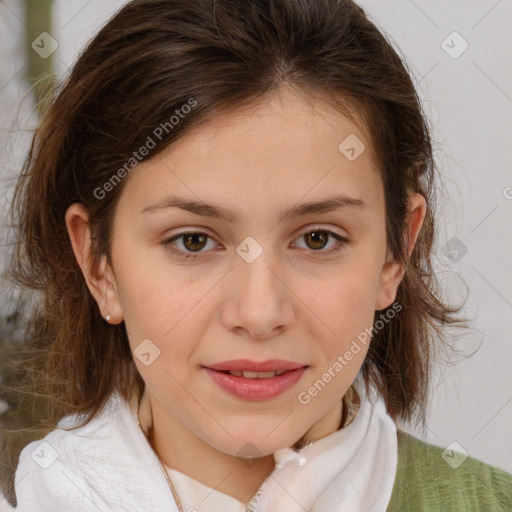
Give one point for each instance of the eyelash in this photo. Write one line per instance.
(190, 255)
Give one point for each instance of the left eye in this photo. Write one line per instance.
(318, 238)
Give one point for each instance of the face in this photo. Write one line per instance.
(216, 257)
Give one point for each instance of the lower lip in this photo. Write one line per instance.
(256, 389)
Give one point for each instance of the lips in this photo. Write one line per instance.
(252, 380)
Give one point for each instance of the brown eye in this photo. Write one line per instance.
(194, 241)
(316, 239)
(189, 242)
(323, 241)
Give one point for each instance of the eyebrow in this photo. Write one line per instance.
(222, 213)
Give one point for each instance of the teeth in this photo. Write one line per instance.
(256, 375)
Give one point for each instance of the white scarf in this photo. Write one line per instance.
(352, 469)
(108, 465)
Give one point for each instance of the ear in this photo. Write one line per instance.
(392, 272)
(98, 274)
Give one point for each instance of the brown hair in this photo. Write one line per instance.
(147, 62)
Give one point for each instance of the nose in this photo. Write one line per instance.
(258, 300)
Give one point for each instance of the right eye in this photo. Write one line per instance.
(191, 242)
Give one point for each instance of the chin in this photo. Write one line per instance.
(254, 443)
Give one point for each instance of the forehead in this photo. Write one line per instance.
(267, 154)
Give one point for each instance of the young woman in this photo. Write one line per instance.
(229, 211)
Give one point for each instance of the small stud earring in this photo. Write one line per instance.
(107, 318)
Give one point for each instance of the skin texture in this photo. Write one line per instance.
(295, 301)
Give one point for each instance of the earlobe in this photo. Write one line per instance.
(392, 272)
(97, 272)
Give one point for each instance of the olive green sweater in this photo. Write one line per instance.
(426, 482)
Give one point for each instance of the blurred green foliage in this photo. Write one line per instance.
(38, 14)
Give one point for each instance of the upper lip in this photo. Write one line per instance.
(255, 366)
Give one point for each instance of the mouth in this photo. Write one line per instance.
(250, 380)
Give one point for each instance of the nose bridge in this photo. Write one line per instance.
(261, 302)
(254, 269)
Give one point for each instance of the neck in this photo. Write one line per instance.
(180, 449)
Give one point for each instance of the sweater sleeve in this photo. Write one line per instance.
(426, 482)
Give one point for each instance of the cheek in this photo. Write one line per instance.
(154, 295)
(162, 314)
(170, 310)
(163, 332)
(341, 327)
(344, 305)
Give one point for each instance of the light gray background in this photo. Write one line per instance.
(469, 102)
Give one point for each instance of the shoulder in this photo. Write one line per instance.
(429, 478)
(103, 465)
